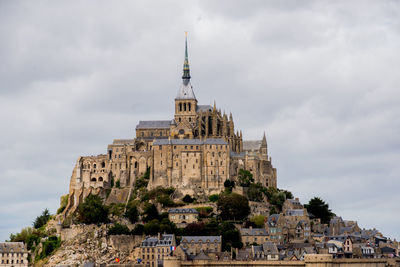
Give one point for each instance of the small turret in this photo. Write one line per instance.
(264, 147)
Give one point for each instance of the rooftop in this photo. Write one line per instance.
(175, 210)
(209, 141)
(165, 124)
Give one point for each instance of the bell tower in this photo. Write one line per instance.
(185, 101)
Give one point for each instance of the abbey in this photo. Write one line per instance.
(194, 152)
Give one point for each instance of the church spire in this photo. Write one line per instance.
(186, 70)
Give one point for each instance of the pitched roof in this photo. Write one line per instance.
(204, 108)
(186, 91)
(12, 247)
(164, 124)
(175, 210)
(251, 145)
(253, 231)
(209, 141)
(203, 239)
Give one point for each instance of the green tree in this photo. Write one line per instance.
(229, 185)
(188, 199)
(138, 230)
(50, 245)
(152, 227)
(42, 219)
(319, 209)
(131, 213)
(230, 236)
(150, 213)
(118, 229)
(255, 193)
(92, 210)
(245, 178)
(233, 206)
(63, 203)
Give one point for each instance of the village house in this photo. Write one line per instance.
(13, 254)
(182, 217)
(153, 250)
(193, 245)
(254, 235)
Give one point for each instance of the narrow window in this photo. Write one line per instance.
(184, 106)
(190, 106)
(180, 106)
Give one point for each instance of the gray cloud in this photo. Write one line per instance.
(320, 77)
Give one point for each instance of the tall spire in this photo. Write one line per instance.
(264, 140)
(186, 70)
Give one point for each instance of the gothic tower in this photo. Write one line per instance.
(185, 102)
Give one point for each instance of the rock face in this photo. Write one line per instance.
(90, 243)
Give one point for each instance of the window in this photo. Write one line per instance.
(180, 106)
(193, 166)
(191, 147)
(190, 119)
(190, 107)
(103, 164)
(161, 163)
(185, 147)
(160, 133)
(142, 136)
(151, 133)
(197, 147)
(179, 119)
(94, 165)
(174, 147)
(176, 164)
(160, 147)
(184, 106)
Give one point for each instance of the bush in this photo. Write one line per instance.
(229, 185)
(118, 229)
(188, 199)
(255, 192)
(165, 201)
(213, 198)
(92, 210)
(152, 227)
(50, 245)
(258, 221)
(42, 219)
(204, 211)
(233, 206)
(116, 209)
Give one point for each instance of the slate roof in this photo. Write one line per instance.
(186, 91)
(238, 155)
(165, 124)
(12, 247)
(175, 210)
(165, 240)
(253, 232)
(270, 248)
(209, 141)
(203, 239)
(251, 145)
(295, 212)
(204, 108)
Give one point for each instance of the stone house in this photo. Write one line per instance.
(153, 250)
(182, 217)
(274, 225)
(13, 254)
(254, 235)
(192, 245)
(348, 247)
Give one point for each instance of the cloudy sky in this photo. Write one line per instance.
(320, 77)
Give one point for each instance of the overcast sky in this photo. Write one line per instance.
(320, 77)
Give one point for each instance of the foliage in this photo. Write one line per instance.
(258, 220)
(138, 230)
(48, 246)
(273, 210)
(319, 209)
(116, 209)
(150, 213)
(233, 206)
(131, 213)
(230, 236)
(288, 194)
(118, 229)
(213, 198)
(112, 182)
(229, 185)
(118, 184)
(63, 203)
(255, 192)
(165, 201)
(155, 226)
(245, 178)
(42, 219)
(143, 181)
(195, 228)
(277, 197)
(92, 210)
(159, 190)
(188, 199)
(204, 211)
(29, 236)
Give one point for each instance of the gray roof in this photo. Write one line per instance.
(204, 108)
(273, 219)
(253, 231)
(12, 247)
(250, 145)
(203, 239)
(270, 248)
(209, 141)
(258, 249)
(295, 212)
(183, 211)
(186, 91)
(238, 155)
(165, 240)
(123, 141)
(154, 124)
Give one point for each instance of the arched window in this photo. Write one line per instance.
(94, 165)
(190, 106)
(184, 106)
(180, 106)
(103, 164)
(94, 179)
(100, 179)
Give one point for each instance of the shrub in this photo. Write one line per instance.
(92, 210)
(152, 227)
(258, 220)
(116, 209)
(63, 203)
(42, 219)
(254, 193)
(50, 245)
(118, 229)
(138, 230)
(245, 178)
(165, 201)
(213, 198)
(229, 185)
(150, 213)
(204, 211)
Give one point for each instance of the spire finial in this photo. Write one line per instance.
(264, 140)
(186, 70)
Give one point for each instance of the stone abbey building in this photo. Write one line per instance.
(194, 152)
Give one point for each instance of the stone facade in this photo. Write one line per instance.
(13, 254)
(195, 152)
